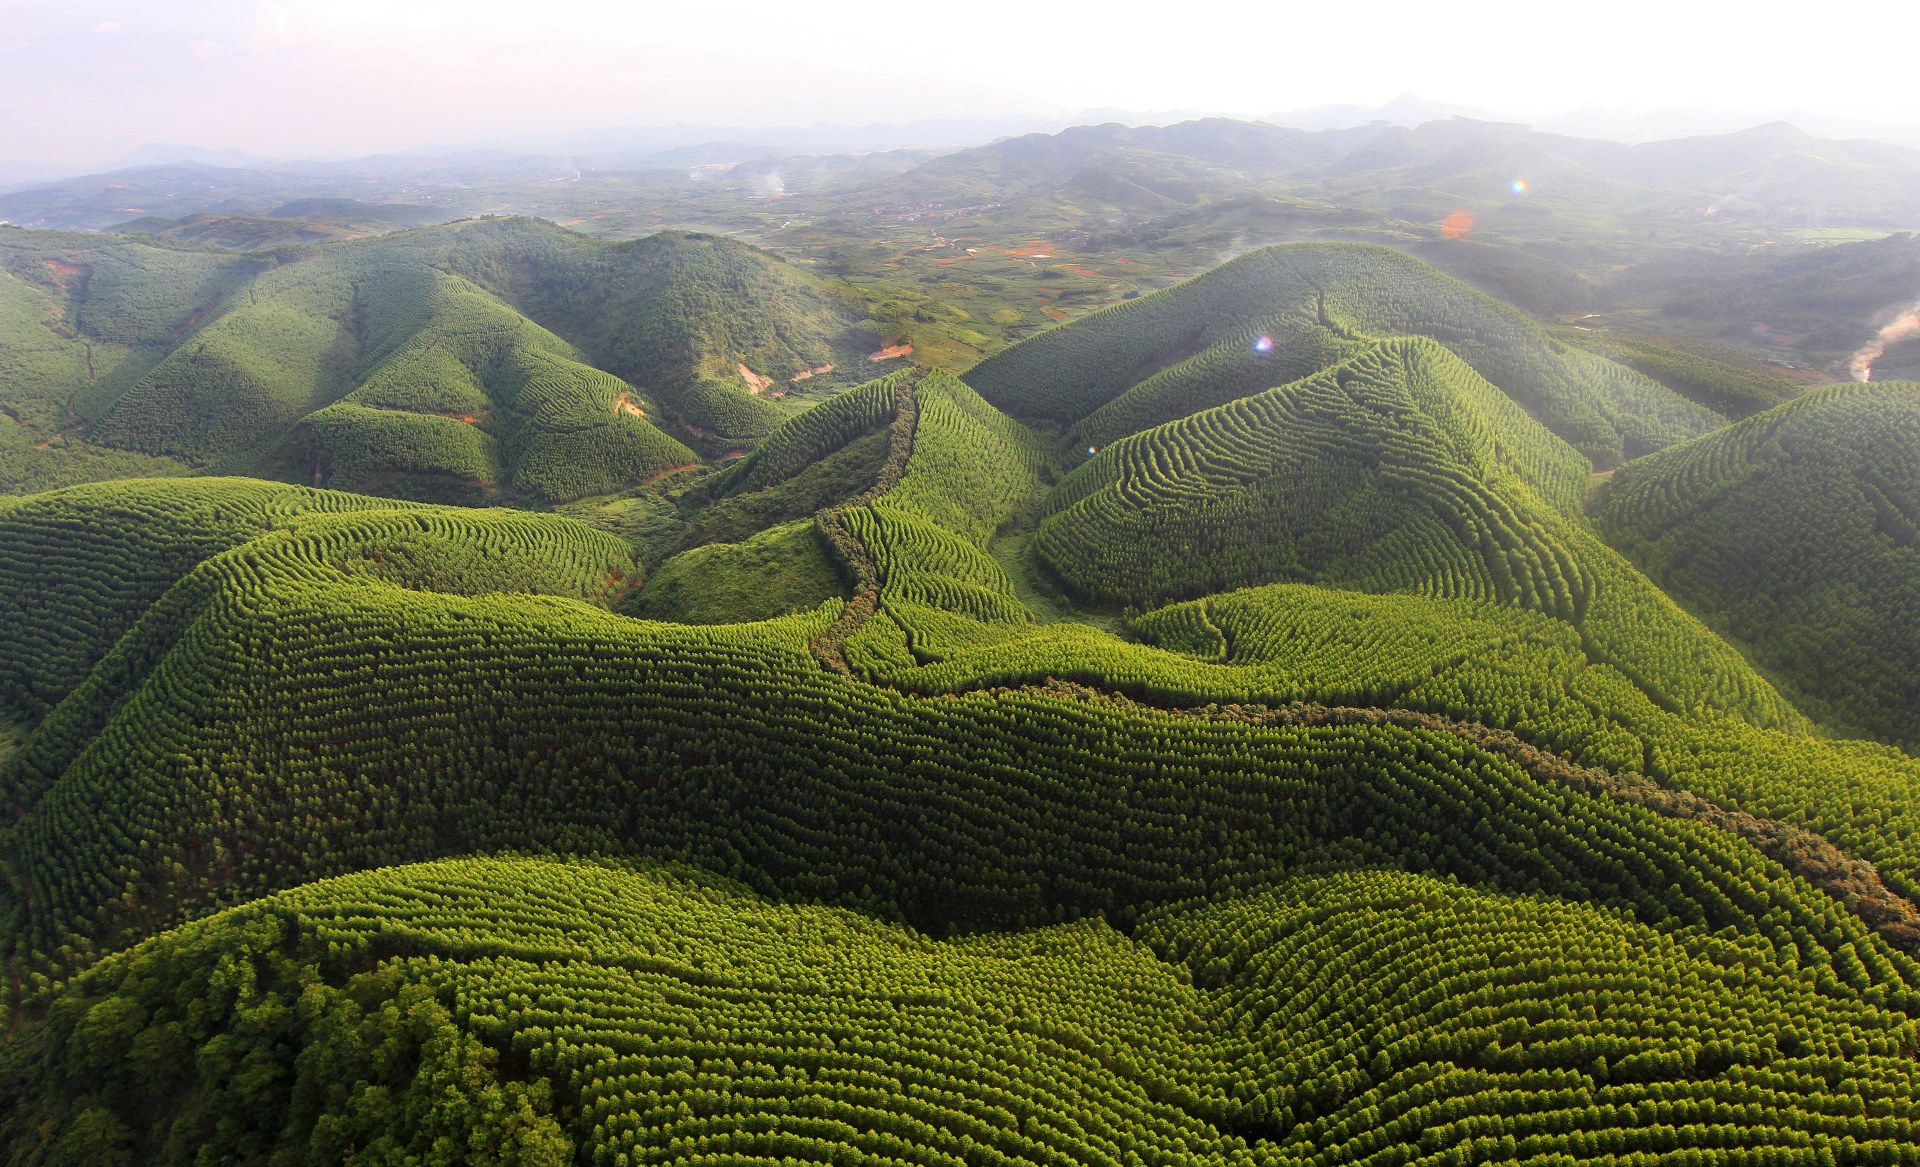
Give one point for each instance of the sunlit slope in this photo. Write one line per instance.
(495, 355)
(79, 566)
(1797, 533)
(1397, 471)
(757, 550)
(1311, 300)
(359, 690)
(1725, 379)
(945, 617)
(1486, 665)
(812, 460)
(538, 1013)
(81, 318)
(480, 399)
(688, 317)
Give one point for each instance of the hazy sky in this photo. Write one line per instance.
(82, 81)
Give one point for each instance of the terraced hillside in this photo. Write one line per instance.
(1296, 779)
(1275, 314)
(467, 361)
(463, 995)
(402, 675)
(1797, 534)
(1397, 471)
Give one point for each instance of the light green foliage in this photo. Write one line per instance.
(1398, 471)
(214, 360)
(243, 379)
(971, 468)
(1225, 371)
(780, 570)
(387, 451)
(291, 706)
(30, 463)
(677, 314)
(806, 438)
(1482, 663)
(1724, 379)
(336, 830)
(1322, 292)
(79, 566)
(836, 477)
(1390, 1016)
(1797, 533)
(331, 664)
(42, 365)
(477, 394)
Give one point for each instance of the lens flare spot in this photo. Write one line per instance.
(1263, 344)
(1520, 186)
(1458, 224)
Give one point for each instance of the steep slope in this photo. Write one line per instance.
(1734, 384)
(477, 399)
(79, 566)
(81, 319)
(1308, 299)
(358, 668)
(758, 548)
(1399, 470)
(719, 333)
(1797, 533)
(378, 350)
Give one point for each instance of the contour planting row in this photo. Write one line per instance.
(533, 1012)
(295, 709)
(1399, 471)
(1350, 291)
(1797, 533)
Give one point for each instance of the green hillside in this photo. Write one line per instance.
(478, 399)
(1795, 533)
(82, 318)
(1217, 732)
(1308, 299)
(465, 362)
(78, 567)
(536, 1013)
(687, 318)
(1720, 377)
(1400, 470)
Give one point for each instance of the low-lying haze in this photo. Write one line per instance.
(89, 81)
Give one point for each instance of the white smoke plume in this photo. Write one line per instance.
(1901, 327)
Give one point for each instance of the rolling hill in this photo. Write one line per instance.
(302, 221)
(358, 664)
(1209, 733)
(415, 364)
(1795, 534)
(1281, 311)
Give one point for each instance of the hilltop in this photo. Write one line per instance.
(463, 361)
(1279, 312)
(1313, 714)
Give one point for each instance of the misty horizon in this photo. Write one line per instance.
(91, 84)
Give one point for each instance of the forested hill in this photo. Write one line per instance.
(1797, 533)
(1282, 311)
(481, 359)
(1248, 726)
